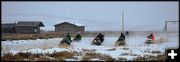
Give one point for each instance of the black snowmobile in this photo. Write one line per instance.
(96, 41)
(65, 42)
(77, 37)
(120, 43)
(100, 37)
(121, 40)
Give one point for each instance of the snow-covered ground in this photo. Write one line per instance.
(135, 46)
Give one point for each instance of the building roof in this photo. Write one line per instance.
(30, 23)
(75, 24)
(7, 25)
(78, 24)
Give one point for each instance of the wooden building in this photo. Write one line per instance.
(69, 27)
(8, 28)
(28, 27)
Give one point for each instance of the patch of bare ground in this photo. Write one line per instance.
(62, 55)
(121, 59)
(161, 57)
(21, 56)
(85, 56)
(91, 55)
(46, 35)
(112, 49)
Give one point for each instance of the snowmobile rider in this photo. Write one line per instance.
(78, 37)
(151, 36)
(122, 37)
(101, 37)
(67, 39)
(127, 33)
(68, 36)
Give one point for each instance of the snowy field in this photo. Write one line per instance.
(135, 46)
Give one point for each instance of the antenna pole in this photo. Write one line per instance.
(122, 21)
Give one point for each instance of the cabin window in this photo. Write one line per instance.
(35, 30)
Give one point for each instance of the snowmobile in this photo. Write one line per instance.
(161, 40)
(77, 37)
(149, 41)
(120, 43)
(121, 40)
(65, 42)
(96, 41)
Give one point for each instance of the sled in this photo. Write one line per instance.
(120, 43)
(96, 42)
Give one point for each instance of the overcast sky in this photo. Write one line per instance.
(96, 16)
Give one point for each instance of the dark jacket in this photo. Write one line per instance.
(127, 32)
(101, 37)
(122, 37)
(151, 36)
(68, 36)
(77, 37)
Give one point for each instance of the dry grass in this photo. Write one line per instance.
(154, 52)
(106, 57)
(112, 49)
(44, 58)
(121, 59)
(7, 57)
(17, 57)
(16, 37)
(46, 35)
(90, 55)
(161, 57)
(62, 55)
(43, 35)
(57, 56)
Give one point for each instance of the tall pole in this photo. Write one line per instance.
(165, 29)
(122, 21)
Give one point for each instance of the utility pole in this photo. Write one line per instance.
(165, 28)
(122, 21)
